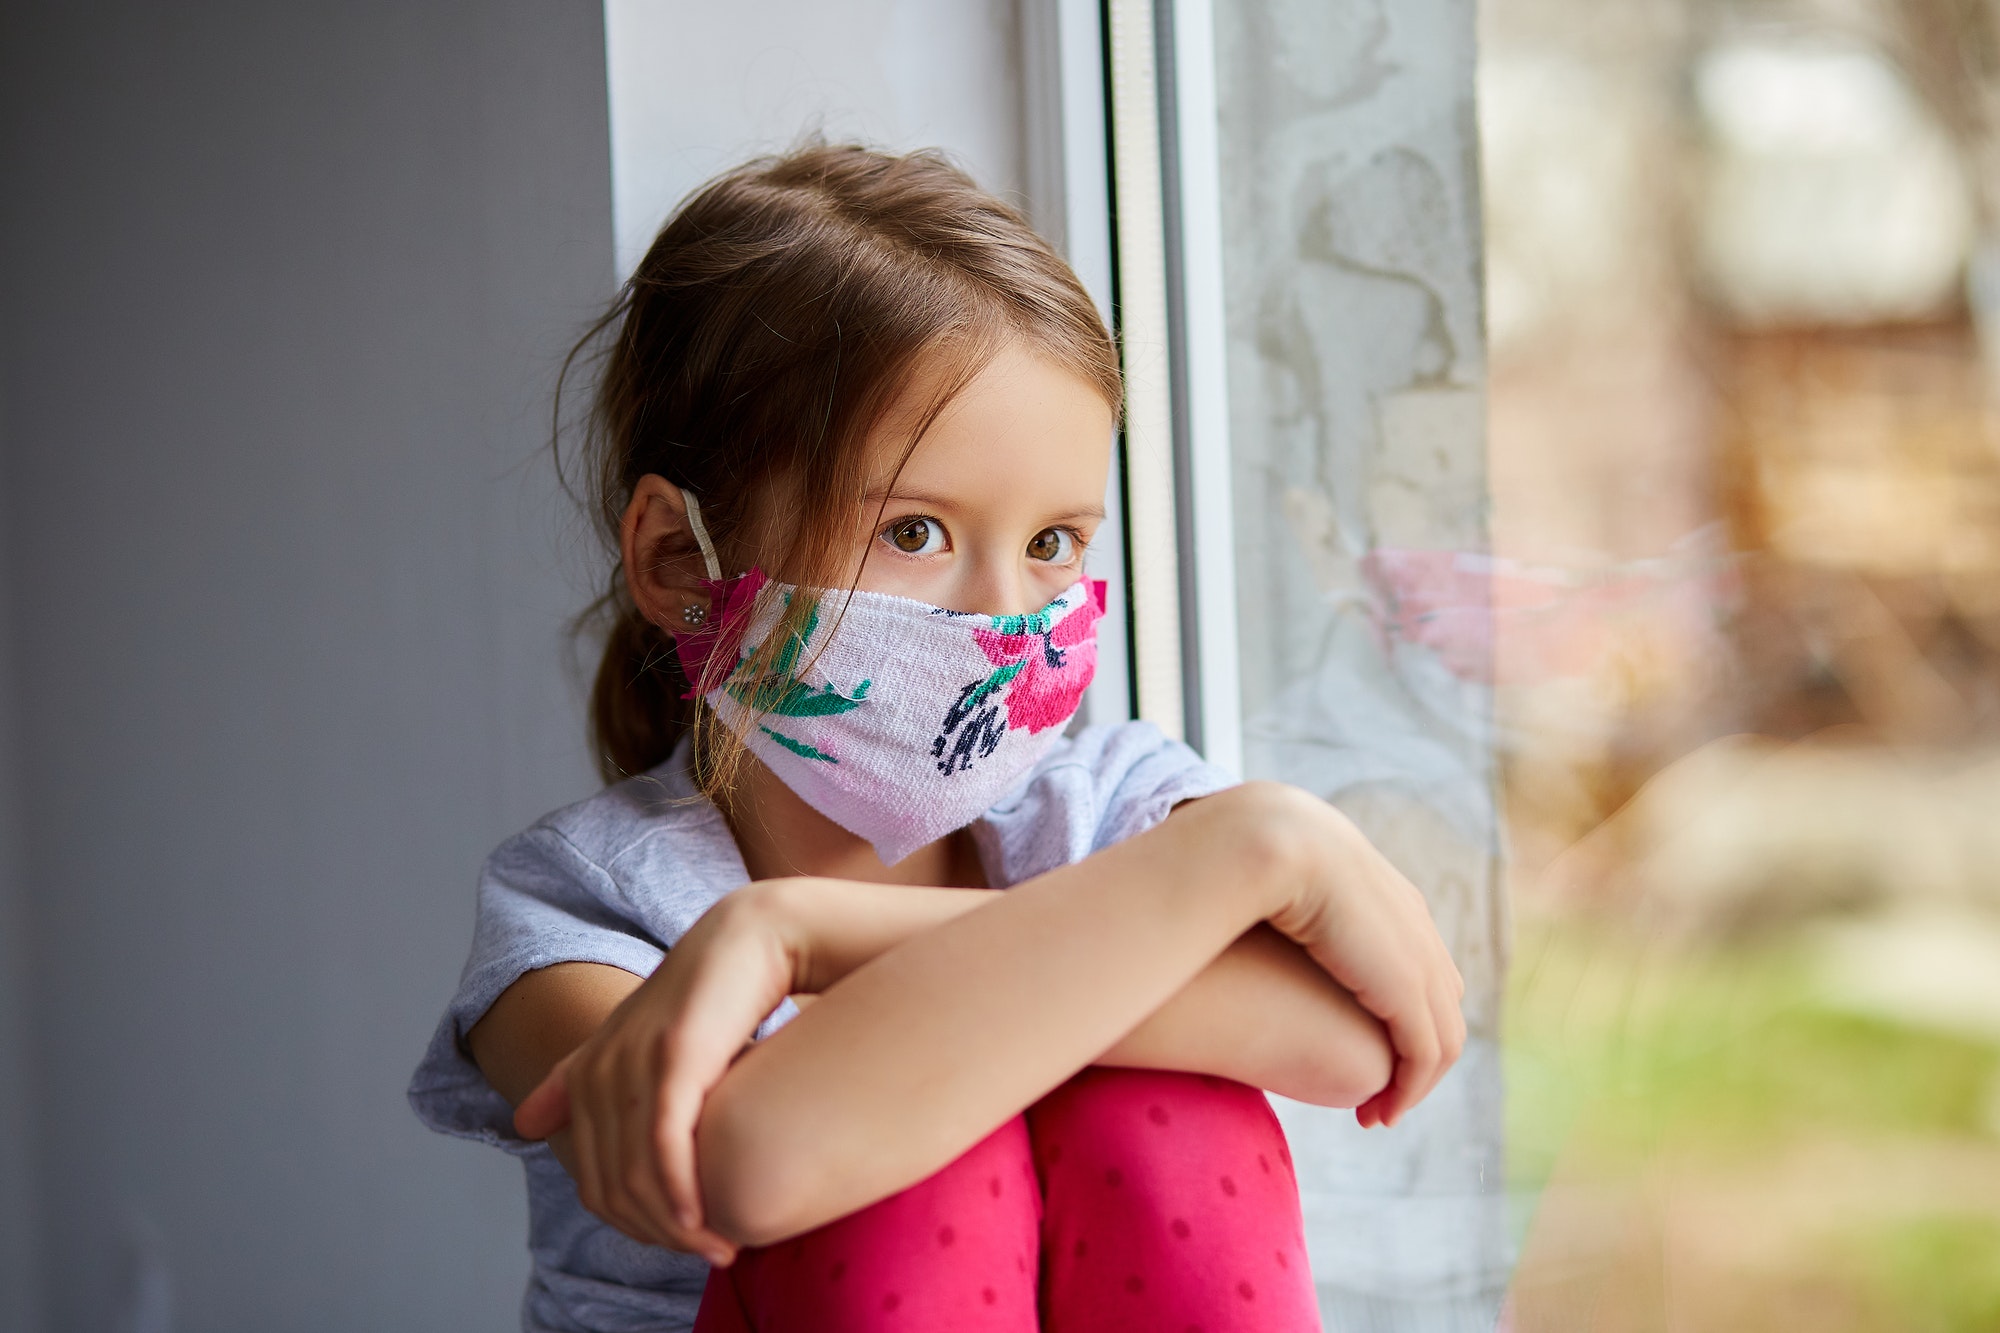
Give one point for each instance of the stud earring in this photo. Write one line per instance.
(695, 614)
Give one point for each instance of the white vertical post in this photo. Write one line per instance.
(1152, 540)
(1208, 541)
(1069, 201)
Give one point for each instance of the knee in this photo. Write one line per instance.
(1168, 1194)
(1138, 1127)
(1123, 1098)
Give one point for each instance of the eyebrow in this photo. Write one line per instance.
(940, 502)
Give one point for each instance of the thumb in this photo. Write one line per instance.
(546, 1109)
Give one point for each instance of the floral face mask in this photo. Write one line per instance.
(897, 720)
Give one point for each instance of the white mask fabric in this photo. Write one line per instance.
(898, 720)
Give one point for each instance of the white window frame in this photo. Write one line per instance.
(1124, 177)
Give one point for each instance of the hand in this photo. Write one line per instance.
(1371, 930)
(631, 1095)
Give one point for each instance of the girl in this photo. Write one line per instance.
(757, 1001)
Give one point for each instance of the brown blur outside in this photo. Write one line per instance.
(1744, 307)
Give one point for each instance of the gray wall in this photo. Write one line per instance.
(19, 1293)
(281, 593)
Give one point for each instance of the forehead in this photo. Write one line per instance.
(1024, 433)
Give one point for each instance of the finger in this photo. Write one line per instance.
(1413, 1032)
(1368, 1113)
(583, 1134)
(673, 1128)
(680, 1108)
(546, 1109)
(1404, 1094)
(1454, 1025)
(614, 1204)
(1398, 1099)
(698, 1238)
(640, 1177)
(1424, 1079)
(1448, 1002)
(1408, 1036)
(717, 1249)
(1447, 965)
(1377, 1108)
(1448, 1014)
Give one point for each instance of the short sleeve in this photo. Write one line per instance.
(1141, 776)
(541, 902)
(1104, 785)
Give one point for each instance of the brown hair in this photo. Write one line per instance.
(782, 310)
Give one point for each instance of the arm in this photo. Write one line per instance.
(814, 1122)
(1262, 1012)
(1193, 886)
(537, 1021)
(1265, 1014)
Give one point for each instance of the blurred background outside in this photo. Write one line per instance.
(1743, 285)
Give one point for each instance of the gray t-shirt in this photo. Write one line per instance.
(618, 878)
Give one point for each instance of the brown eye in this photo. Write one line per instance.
(915, 536)
(1051, 544)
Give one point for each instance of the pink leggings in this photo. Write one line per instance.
(1125, 1199)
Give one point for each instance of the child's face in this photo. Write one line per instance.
(994, 509)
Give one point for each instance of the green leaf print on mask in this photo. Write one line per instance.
(1000, 676)
(799, 748)
(782, 694)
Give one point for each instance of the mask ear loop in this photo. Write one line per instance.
(696, 645)
(700, 531)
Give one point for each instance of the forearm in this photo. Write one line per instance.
(1038, 982)
(1265, 1014)
(1261, 1013)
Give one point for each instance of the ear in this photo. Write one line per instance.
(663, 564)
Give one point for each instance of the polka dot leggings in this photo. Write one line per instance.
(1127, 1199)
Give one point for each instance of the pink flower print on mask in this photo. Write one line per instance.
(1056, 664)
(1041, 666)
(730, 602)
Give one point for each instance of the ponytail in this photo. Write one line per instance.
(637, 714)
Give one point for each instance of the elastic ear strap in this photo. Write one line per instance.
(701, 535)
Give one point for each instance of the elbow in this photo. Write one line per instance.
(1344, 1074)
(753, 1192)
(744, 1206)
(1365, 1073)
(748, 1217)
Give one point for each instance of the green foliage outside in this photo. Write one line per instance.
(1630, 1063)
